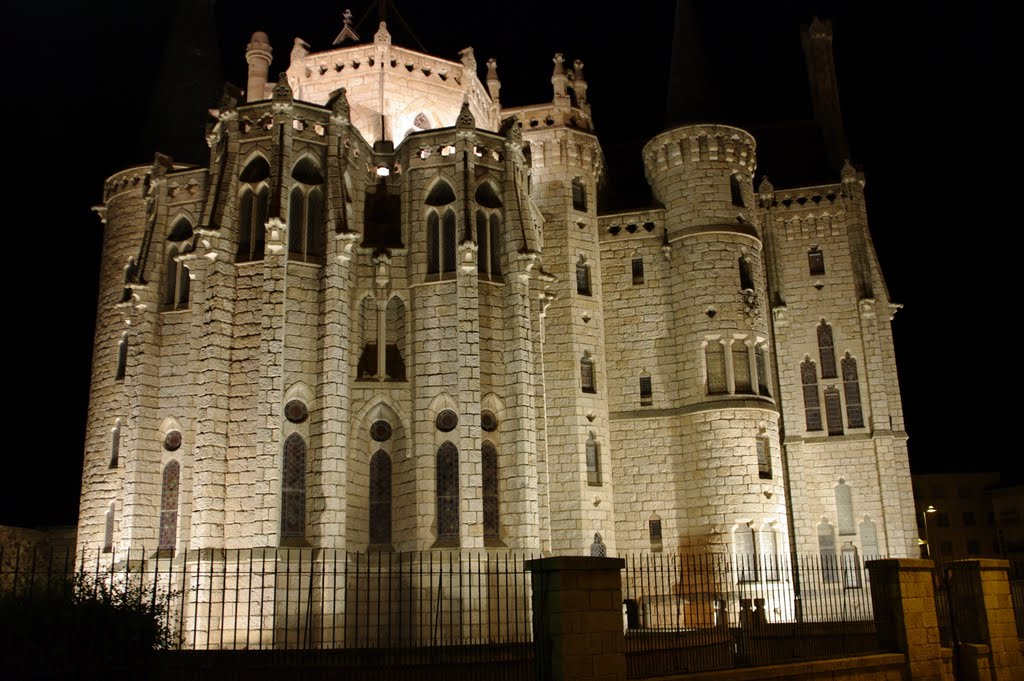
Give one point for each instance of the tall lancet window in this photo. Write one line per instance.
(826, 350)
(441, 240)
(176, 281)
(448, 494)
(169, 506)
(851, 388)
(488, 231)
(812, 403)
(306, 213)
(293, 488)
(380, 498)
(253, 209)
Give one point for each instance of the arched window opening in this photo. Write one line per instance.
(714, 359)
(593, 456)
(763, 387)
(489, 468)
(108, 530)
(851, 389)
(764, 459)
(826, 350)
(380, 499)
(169, 507)
(579, 195)
(827, 552)
(176, 280)
(448, 495)
(812, 405)
(741, 368)
(486, 197)
(597, 548)
(638, 271)
(736, 190)
(816, 261)
(449, 241)
(293, 488)
(122, 357)
(433, 243)
(746, 273)
(833, 411)
(115, 444)
(587, 380)
(745, 553)
(441, 195)
(844, 509)
(582, 277)
(646, 390)
(254, 206)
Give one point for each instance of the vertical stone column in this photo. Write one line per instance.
(985, 615)
(904, 603)
(271, 385)
(577, 618)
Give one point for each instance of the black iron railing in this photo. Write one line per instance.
(703, 612)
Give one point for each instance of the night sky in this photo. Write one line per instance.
(922, 86)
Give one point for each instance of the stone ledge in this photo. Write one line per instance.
(810, 669)
(574, 563)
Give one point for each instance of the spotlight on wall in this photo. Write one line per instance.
(383, 171)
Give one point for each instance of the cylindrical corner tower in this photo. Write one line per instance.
(728, 471)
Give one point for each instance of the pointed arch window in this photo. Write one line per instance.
(253, 209)
(579, 195)
(826, 350)
(448, 494)
(488, 231)
(851, 389)
(176, 281)
(169, 506)
(815, 261)
(582, 277)
(489, 468)
(714, 359)
(306, 213)
(812, 404)
(122, 357)
(380, 499)
(587, 381)
(293, 488)
(593, 457)
(441, 230)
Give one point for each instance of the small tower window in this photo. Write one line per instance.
(253, 209)
(593, 456)
(746, 274)
(579, 195)
(816, 261)
(380, 497)
(714, 358)
(122, 357)
(741, 368)
(582, 277)
(851, 388)
(736, 189)
(763, 386)
(293, 488)
(826, 350)
(176, 281)
(833, 411)
(638, 271)
(115, 444)
(654, 532)
(108, 530)
(448, 494)
(812, 404)
(764, 459)
(169, 507)
(588, 384)
(646, 390)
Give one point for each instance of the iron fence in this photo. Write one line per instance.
(703, 612)
(1017, 594)
(374, 610)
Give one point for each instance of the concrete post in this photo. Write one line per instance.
(903, 597)
(577, 618)
(990, 649)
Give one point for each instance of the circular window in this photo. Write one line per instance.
(296, 412)
(447, 420)
(380, 431)
(172, 441)
(488, 421)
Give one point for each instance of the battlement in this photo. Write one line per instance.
(694, 144)
(435, 147)
(800, 197)
(186, 177)
(542, 116)
(636, 223)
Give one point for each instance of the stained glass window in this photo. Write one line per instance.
(380, 498)
(598, 549)
(293, 488)
(296, 411)
(448, 492)
(489, 466)
(172, 441)
(587, 374)
(169, 506)
(851, 388)
(827, 351)
(714, 356)
(447, 420)
(488, 421)
(741, 368)
(812, 405)
(833, 411)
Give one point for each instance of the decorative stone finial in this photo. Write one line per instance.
(466, 120)
(282, 91)
(848, 172)
(229, 98)
(338, 104)
(766, 191)
(820, 29)
(468, 59)
(346, 32)
(513, 133)
(299, 51)
(382, 37)
(559, 79)
(493, 84)
(162, 163)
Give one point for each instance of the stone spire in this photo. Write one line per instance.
(347, 32)
(579, 84)
(560, 81)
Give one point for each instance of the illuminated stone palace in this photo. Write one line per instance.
(388, 316)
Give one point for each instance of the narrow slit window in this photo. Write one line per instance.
(582, 277)
(736, 190)
(833, 411)
(638, 271)
(380, 499)
(122, 357)
(764, 459)
(115, 444)
(448, 493)
(433, 244)
(593, 456)
(816, 261)
(169, 507)
(489, 470)
(746, 274)
(763, 387)
(449, 241)
(579, 195)
(588, 384)
(108, 530)
(646, 391)
(293, 488)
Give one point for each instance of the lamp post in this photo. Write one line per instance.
(927, 541)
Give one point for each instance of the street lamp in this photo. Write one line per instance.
(927, 542)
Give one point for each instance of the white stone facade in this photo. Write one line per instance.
(635, 375)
